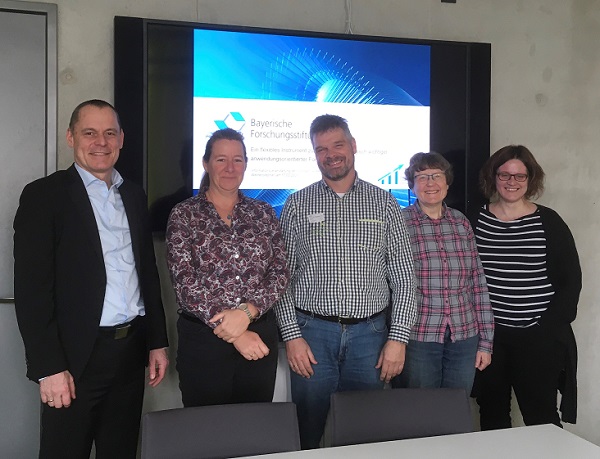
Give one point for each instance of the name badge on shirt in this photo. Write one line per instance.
(316, 218)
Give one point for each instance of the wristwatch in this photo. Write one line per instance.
(244, 307)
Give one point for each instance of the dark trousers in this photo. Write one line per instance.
(212, 372)
(528, 361)
(107, 406)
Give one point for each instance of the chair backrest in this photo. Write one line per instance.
(395, 414)
(220, 431)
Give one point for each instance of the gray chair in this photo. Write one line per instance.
(395, 414)
(220, 431)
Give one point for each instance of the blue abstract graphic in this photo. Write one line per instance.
(282, 67)
(318, 76)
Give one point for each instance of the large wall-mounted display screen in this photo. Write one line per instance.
(176, 83)
(270, 87)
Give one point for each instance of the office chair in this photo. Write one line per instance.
(395, 414)
(220, 431)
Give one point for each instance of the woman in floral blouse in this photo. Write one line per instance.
(227, 262)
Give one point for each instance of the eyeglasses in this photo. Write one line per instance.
(424, 178)
(505, 177)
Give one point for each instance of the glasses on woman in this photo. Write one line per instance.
(424, 178)
(505, 177)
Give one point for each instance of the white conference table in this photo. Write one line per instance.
(531, 442)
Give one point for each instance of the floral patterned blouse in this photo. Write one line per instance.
(216, 267)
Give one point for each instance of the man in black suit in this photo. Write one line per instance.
(87, 295)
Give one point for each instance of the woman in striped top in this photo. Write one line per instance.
(534, 279)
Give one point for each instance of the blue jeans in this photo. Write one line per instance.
(346, 356)
(435, 365)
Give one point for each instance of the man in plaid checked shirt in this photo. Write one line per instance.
(350, 258)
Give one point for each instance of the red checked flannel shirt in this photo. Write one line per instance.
(451, 286)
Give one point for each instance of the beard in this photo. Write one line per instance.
(337, 173)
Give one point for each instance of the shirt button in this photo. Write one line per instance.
(237, 255)
(237, 277)
(237, 300)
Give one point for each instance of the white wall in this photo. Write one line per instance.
(545, 94)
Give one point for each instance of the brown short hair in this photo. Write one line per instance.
(421, 161)
(326, 123)
(487, 175)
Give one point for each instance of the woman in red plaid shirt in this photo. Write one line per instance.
(453, 334)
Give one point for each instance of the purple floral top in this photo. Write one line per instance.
(216, 267)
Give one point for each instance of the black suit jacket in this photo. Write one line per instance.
(60, 277)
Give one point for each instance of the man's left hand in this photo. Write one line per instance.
(157, 366)
(391, 360)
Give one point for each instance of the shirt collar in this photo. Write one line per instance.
(88, 178)
(355, 185)
(242, 198)
(423, 216)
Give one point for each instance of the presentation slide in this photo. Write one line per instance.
(270, 87)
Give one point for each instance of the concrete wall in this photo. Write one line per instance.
(545, 94)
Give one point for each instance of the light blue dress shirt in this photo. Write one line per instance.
(122, 300)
